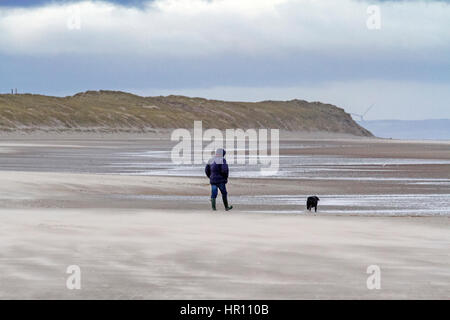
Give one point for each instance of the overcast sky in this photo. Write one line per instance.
(316, 50)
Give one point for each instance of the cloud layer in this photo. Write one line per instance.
(198, 44)
(200, 27)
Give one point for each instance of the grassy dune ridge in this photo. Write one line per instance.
(115, 111)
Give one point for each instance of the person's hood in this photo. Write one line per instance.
(219, 156)
(220, 152)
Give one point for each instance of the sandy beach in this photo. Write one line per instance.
(139, 228)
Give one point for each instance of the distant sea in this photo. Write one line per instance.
(434, 129)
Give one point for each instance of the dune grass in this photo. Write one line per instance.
(117, 111)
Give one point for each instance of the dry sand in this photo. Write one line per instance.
(133, 248)
(185, 254)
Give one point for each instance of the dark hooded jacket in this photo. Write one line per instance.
(217, 168)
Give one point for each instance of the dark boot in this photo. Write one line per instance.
(213, 204)
(225, 203)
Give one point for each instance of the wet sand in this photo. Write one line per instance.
(141, 234)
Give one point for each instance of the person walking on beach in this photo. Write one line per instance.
(217, 171)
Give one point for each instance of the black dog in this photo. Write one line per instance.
(312, 203)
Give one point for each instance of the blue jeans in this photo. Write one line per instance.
(214, 191)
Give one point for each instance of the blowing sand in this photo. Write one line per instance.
(140, 237)
(182, 255)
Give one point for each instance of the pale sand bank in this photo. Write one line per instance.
(181, 255)
(136, 249)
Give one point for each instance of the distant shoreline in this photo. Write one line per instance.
(164, 134)
(159, 134)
